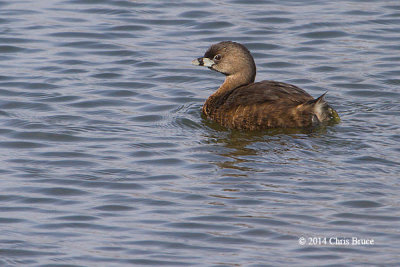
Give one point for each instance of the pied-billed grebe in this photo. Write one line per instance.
(240, 103)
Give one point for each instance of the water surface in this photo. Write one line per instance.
(106, 160)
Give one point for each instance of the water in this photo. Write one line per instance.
(106, 160)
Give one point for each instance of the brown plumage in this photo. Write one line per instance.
(239, 103)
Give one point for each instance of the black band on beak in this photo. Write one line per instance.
(200, 60)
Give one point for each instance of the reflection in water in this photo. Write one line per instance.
(241, 148)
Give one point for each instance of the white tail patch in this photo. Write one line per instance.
(319, 107)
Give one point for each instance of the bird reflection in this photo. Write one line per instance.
(246, 151)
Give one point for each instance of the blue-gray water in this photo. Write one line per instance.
(106, 161)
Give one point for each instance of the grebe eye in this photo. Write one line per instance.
(217, 57)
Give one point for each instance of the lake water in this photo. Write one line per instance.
(106, 160)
